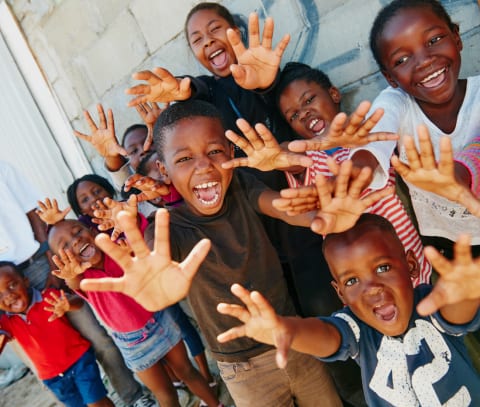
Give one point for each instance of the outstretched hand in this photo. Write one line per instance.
(151, 278)
(346, 131)
(459, 278)
(58, 305)
(150, 188)
(424, 172)
(49, 212)
(162, 87)
(149, 113)
(69, 267)
(102, 137)
(340, 205)
(262, 150)
(260, 322)
(257, 66)
(106, 215)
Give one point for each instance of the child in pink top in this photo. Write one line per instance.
(143, 337)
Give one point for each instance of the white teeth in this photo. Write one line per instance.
(206, 185)
(212, 202)
(216, 53)
(313, 123)
(83, 247)
(433, 75)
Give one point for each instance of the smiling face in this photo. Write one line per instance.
(193, 150)
(76, 237)
(420, 53)
(207, 37)
(133, 143)
(14, 295)
(372, 276)
(308, 107)
(87, 194)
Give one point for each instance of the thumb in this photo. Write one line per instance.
(283, 342)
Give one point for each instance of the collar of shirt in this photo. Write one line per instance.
(36, 297)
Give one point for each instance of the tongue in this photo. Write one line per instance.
(319, 126)
(386, 312)
(219, 59)
(88, 251)
(435, 81)
(206, 194)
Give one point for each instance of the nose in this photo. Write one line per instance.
(204, 164)
(304, 113)
(207, 41)
(373, 290)
(423, 58)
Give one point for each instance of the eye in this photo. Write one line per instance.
(351, 281)
(13, 285)
(383, 268)
(215, 28)
(400, 61)
(294, 117)
(215, 151)
(310, 100)
(84, 200)
(182, 159)
(195, 40)
(434, 40)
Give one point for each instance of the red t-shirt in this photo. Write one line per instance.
(52, 346)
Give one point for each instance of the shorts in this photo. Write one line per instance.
(142, 348)
(79, 385)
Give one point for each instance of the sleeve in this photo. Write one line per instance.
(120, 176)
(392, 101)
(470, 158)
(455, 330)
(350, 333)
(200, 88)
(252, 187)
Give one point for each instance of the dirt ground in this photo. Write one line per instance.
(30, 392)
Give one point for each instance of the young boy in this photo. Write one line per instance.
(63, 359)
(407, 359)
(223, 207)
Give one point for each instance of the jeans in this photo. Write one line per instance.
(305, 382)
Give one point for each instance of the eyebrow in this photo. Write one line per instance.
(428, 30)
(208, 25)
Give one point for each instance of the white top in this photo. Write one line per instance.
(436, 216)
(17, 241)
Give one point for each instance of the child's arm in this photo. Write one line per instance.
(149, 114)
(257, 66)
(162, 87)
(150, 188)
(262, 150)
(103, 139)
(260, 322)
(339, 208)
(50, 213)
(346, 131)
(457, 292)
(151, 278)
(442, 178)
(59, 306)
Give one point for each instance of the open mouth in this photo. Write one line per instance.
(386, 312)
(317, 126)
(218, 58)
(434, 79)
(16, 305)
(87, 251)
(208, 193)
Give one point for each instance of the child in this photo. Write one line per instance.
(63, 359)
(406, 359)
(310, 104)
(143, 337)
(223, 207)
(417, 47)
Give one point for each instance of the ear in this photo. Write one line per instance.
(413, 265)
(232, 150)
(335, 94)
(337, 289)
(457, 38)
(163, 170)
(389, 79)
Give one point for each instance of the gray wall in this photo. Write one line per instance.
(88, 49)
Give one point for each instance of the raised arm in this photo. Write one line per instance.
(49, 212)
(106, 214)
(149, 113)
(445, 177)
(150, 188)
(457, 292)
(161, 86)
(103, 139)
(262, 150)
(151, 278)
(60, 305)
(257, 66)
(260, 322)
(346, 131)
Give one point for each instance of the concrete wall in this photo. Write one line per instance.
(88, 49)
